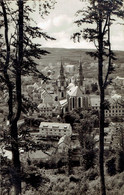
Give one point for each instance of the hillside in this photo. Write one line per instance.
(73, 56)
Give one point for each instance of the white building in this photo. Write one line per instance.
(54, 129)
(114, 110)
(45, 109)
(119, 81)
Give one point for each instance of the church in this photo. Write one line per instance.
(71, 92)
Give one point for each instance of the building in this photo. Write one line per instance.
(71, 96)
(115, 110)
(45, 109)
(64, 144)
(48, 105)
(46, 98)
(80, 76)
(119, 81)
(54, 129)
(70, 69)
(113, 137)
(95, 102)
(76, 99)
(61, 83)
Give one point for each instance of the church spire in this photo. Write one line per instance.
(61, 69)
(81, 76)
(61, 82)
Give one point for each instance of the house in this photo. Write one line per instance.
(47, 98)
(54, 129)
(45, 109)
(119, 81)
(95, 102)
(64, 144)
(114, 110)
(70, 68)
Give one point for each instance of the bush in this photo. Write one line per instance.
(88, 159)
(111, 166)
(93, 174)
(121, 162)
(74, 179)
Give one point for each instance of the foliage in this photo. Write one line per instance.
(19, 52)
(88, 159)
(111, 166)
(6, 182)
(32, 176)
(94, 87)
(121, 161)
(99, 16)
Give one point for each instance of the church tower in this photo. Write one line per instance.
(61, 83)
(81, 76)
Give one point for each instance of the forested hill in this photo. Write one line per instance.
(72, 56)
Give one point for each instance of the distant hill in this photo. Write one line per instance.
(67, 55)
(73, 56)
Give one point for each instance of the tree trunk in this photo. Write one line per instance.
(101, 143)
(100, 78)
(14, 128)
(16, 174)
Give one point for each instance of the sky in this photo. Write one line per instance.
(59, 24)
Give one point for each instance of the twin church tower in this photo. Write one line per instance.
(62, 82)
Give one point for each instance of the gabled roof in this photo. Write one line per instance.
(46, 94)
(120, 78)
(63, 102)
(47, 98)
(64, 140)
(75, 92)
(44, 105)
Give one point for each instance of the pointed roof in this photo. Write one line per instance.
(70, 86)
(75, 92)
(47, 98)
(63, 102)
(80, 65)
(61, 76)
(46, 94)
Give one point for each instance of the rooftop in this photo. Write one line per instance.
(75, 92)
(55, 125)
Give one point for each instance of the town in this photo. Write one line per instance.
(68, 92)
(61, 97)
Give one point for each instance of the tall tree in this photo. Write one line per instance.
(18, 58)
(99, 16)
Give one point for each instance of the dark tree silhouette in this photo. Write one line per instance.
(99, 16)
(18, 54)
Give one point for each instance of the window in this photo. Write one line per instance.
(79, 102)
(62, 94)
(73, 103)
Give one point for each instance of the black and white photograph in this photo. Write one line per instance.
(61, 97)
